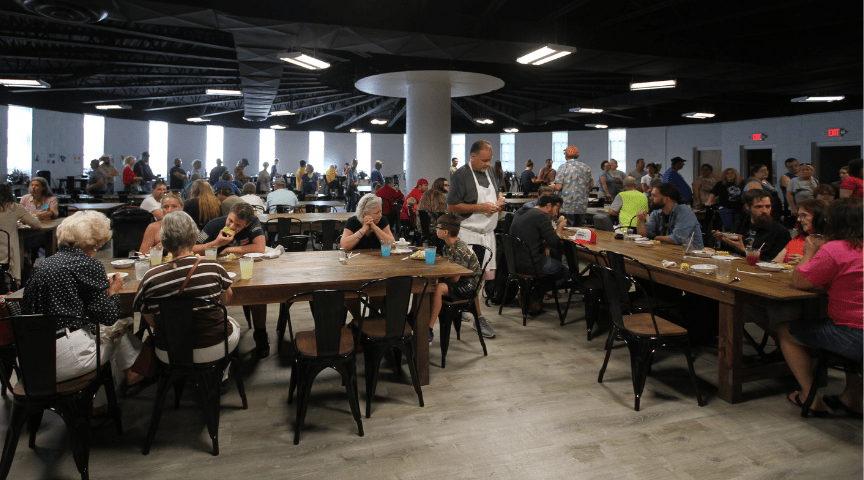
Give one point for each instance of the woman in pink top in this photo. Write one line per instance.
(852, 185)
(836, 266)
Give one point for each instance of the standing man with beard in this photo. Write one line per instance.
(670, 222)
(758, 228)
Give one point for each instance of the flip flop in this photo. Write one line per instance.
(835, 403)
(135, 388)
(798, 403)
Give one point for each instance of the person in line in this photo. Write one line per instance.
(574, 182)
(533, 227)
(310, 181)
(177, 176)
(727, 194)
(408, 215)
(844, 172)
(208, 280)
(332, 185)
(434, 200)
(811, 220)
(144, 173)
(240, 176)
(351, 183)
(130, 180)
(171, 202)
(389, 196)
(454, 165)
(97, 182)
(608, 189)
(528, 178)
(640, 170)
(197, 171)
(40, 202)
(274, 170)
(217, 172)
(759, 180)
(247, 237)
(628, 203)
(264, 179)
(503, 184)
(203, 206)
(153, 202)
(618, 175)
(11, 212)
(547, 174)
(474, 195)
(672, 176)
(670, 221)
(758, 229)
(792, 166)
(852, 185)
(300, 172)
(228, 180)
(368, 228)
(227, 199)
(801, 187)
(703, 185)
(73, 282)
(252, 198)
(835, 264)
(824, 192)
(280, 196)
(652, 173)
(457, 251)
(376, 175)
(109, 170)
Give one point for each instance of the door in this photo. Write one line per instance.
(764, 156)
(708, 157)
(830, 159)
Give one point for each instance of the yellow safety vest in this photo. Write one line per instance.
(634, 201)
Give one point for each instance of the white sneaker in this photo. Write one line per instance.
(467, 317)
(485, 328)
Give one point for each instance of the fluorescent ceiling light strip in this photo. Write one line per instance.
(551, 57)
(219, 91)
(596, 125)
(818, 99)
(280, 113)
(300, 64)
(197, 119)
(356, 130)
(23, 82)
(586, 110)
(535, 55)
(278, 127)
(653, 85)
(313, 61)
(511, 130)
(698, 115)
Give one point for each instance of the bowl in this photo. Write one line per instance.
(770, 267)
(643, 243)
(703, 268)
(125, 263)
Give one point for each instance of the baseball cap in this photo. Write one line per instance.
(676, 159)
(571, 150)
(422, 181)
(280, 181)
(585, 236)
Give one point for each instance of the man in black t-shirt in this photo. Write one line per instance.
(758, 229)
(177, 176)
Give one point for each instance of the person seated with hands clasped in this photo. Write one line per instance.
(368, 228)
(758, 229)
(669, 222)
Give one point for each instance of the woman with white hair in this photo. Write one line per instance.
(72, 282)
(368, 228)
(130, 180)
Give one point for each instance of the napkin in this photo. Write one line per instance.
(274, 252)
(106, 332)
(667, 263)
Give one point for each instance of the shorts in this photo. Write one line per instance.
(461, 290)
(824, 333)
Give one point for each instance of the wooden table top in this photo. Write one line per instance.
(46, 225)
(101, 207)
(776, 287)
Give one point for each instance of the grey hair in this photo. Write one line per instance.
(178, 231)
(84, 230)
(366, 204)
(46, 189)
(479, 145)
(630, 182)
(248, 188)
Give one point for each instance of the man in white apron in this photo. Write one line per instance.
(475, 197)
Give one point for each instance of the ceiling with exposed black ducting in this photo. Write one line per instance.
(739, 60)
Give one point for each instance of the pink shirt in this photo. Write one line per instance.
(838, 267)
(853, 183)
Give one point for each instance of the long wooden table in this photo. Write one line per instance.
(49, 230)
(269, 221)
(751, 289)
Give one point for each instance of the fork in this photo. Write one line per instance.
(753, 273)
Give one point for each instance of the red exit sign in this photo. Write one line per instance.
(758, 137)
(833, 132)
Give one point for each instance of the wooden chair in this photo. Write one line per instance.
(330, 345)
(175, 323)
(590, 287)
(35, 341)
(643, 332)
(525, 281)
(393, 329)
(451, 309)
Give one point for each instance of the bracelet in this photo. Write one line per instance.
(357, 234)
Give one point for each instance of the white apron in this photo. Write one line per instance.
(479, 227)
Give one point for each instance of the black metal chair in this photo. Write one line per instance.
(640, 303)
(392, 329)
(589, 286)
(525, 281)
(287, 226)
(37, 389)
(128, 225)
(323, 234)
(643, 332)
(824, 360)
(330, 345)
(293, 243)
(175, 323)
(451, 309)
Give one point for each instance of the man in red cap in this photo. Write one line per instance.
(411, 202)
(574, 182)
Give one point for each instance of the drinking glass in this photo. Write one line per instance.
(385, 248)
(141, 268)
(210, 253)
(430, 256)
(752, 256)
(155, 256)
(724, 268)
(246, 268)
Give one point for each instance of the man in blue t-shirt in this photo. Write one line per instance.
(672, 176)
(669, 222)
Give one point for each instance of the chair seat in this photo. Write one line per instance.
(449, 301)
(658, 304)
(592, 283)
(376, 327)
(641, 324)
(69, 386)
(305, 342)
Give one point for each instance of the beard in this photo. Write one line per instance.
(762, 221)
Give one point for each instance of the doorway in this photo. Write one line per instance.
(829, 159)
(713, 157)
(753, 156)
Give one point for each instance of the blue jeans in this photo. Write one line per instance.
(557, 270)
(824, 333)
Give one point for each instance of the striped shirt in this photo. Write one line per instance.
(208, 281)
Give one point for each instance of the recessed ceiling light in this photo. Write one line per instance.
(113, 107)
(698, 115)
(545, 54)
(278, 127)
(511, 130)
(279, 113)
(197, 119)
(378, 121)
(818, 99)
(596, 125)
(302, 60)
(23, 82)
(356, 130)
(653, 85)
(219, 91)
(586, 110)
(484, 121)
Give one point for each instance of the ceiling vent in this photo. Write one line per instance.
(79, 11)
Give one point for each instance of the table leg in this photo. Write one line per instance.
(421, 333)
(729, 381)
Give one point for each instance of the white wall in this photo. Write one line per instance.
(338, 149)
(58, 143)
(536, 146)
(124, 138)
(4, 118)
(593, 148)
(239, 143)
(389, 148)
(189, 142)
(291, 147)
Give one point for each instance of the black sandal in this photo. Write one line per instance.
(798, 403)
(135, 388)
(834, 402)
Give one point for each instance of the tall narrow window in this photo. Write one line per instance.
(19, 139)
(618, 147)
(316, 150)
(404, 156)
(559, 144)
(457, 147)
(215, 146)
(508, 152)
(159, 148)
(266, 146)
(94, 139)
(364, 152)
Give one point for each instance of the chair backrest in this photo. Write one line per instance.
(507, 222)
(520, 247)
(615, 287)
(425, 222)
(175, 322)
(603, 222)
(398, 296)
(329, 313)
(35, 342)
(507, 243)
(618, 262)
(258, 208)
(288, 226)
(293, 243)
(328, 233)
(129, 224)
(326, 209)
(484, 256)
(284, 208)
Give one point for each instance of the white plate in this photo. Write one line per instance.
(119, 274)
(703, 268)
(645, 244)
(123, 263)
(232, 275)
(402, 250)
(725, 257)
(702, 253)
(769, 267)
(253, 255)
(731, 236)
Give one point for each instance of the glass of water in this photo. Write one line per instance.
(141, 268)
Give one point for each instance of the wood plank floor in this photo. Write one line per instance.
(532, 409)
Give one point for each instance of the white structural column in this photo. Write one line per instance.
(427, 94)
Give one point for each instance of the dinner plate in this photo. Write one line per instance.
(731, 236)
(703, 268)
(125, 263)
(702, 253)
(724, 257)
(769, 267)
(645, 243)
(120, 274)
(402, 250)
(255, 256)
